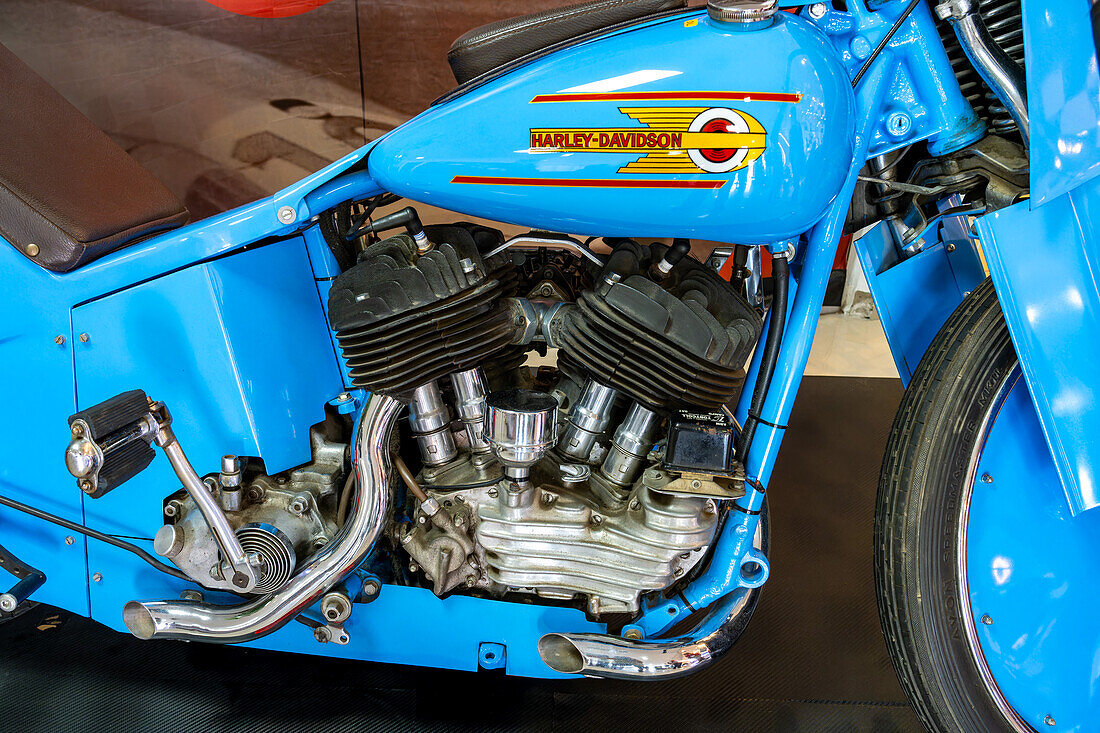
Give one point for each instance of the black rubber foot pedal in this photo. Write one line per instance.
(111, 442)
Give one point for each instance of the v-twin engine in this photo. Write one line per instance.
(597, 476)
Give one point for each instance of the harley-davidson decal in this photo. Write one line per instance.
(674, 140)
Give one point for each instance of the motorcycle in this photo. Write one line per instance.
(365, 444)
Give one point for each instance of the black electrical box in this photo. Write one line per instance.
(700, 442)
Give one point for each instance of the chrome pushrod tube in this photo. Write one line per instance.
(1003, 75)
(613, 657)
(356, 538)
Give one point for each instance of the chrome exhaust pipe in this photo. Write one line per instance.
(604, 655)
(254, 619)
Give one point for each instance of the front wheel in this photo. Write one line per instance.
(986, 584)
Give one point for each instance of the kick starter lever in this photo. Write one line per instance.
(111, 444)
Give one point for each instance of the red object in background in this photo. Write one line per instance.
(268, 8)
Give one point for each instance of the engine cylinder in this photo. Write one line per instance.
(404, 319)
(669, 344)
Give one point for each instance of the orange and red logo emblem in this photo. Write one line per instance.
(670, 141)
(673, 140)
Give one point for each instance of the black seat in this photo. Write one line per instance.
(484, 49)
(68, 193)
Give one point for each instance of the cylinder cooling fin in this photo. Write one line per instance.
(669, 344)
(403, 319)
(1003, 18)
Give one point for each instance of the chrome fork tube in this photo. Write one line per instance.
(254, 619)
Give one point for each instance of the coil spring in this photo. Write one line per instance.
(1004, 20)
(277, 557)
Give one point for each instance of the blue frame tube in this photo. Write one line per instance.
(723, 575)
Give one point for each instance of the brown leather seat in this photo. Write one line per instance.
(68, 193)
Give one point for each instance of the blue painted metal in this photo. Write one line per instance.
(1063, 96)
(923, 100)
(238, 350)
(915, 296)
(1043, 263)
(1038, 586)
(492, 656)
(486, 133)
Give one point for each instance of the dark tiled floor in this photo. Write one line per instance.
(812, 658)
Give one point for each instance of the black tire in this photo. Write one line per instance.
(921, 492)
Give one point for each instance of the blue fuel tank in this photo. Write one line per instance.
(677, 127)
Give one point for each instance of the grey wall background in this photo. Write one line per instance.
(226, 108)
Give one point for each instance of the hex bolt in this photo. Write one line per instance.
(987, 619)
(190, 594)
(59, 340)
(371, 588)
(97, 578)
(1049, 720)
(70, 540)
(84, 338)
(344, 397)
(633, 634)
(321, 634)
(986, 478)
(470, 581)
(336, 607)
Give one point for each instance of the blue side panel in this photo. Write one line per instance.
(36, 382)
(1044, 263)
(915, 296)
(238, 349)
(1063, 96)
(1037, 580)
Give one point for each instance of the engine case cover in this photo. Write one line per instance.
(678, 127)
(558, 542)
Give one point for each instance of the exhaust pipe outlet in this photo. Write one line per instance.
(254, 619)
(604, 655)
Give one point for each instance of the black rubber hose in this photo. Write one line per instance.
(770, 355)
(94, 534)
